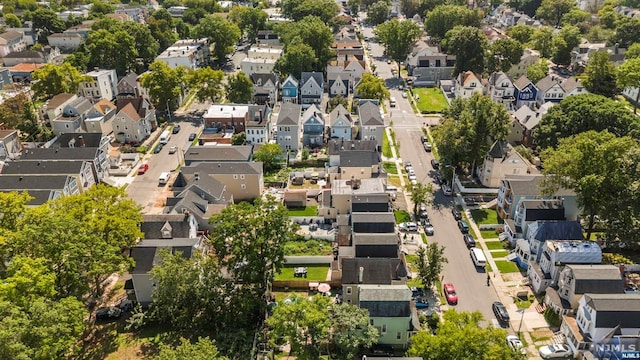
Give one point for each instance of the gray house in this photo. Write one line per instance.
(373, 223)
(357, 271)
(288, 127)
(371, 126)
(72, 117)
(312, 127)
(311, 88)
(341, 123)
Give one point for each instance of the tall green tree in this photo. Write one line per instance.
(372, 87)
(203, 349)
(297, 10)
(420, 194)
(110, 50)
(446, 17)
(521, 33)
(351, 330)
(632, 52)
(12, 21)
(299, 57)
(249, 20)
(581, 113)
(628, 76)
(469, 45)
(222, 33)
(100, 8)
(503, 54)
(538, 71)
(239, 88)
(601, 75)
(270, 155)
(164, 84)
(398, 38)
(564, 42)
(552, 11)
(627, 31)
(542, 40)
(207, 82)
(410, 8)
(378, 12)
(311, 31)
(161, 26)
(431, 262)
(46, 22)
(54, 79)
(623, 213)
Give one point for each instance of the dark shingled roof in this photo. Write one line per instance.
(615, 309)
(369, 114)
(152, 225)
(372, 217)
(64, 153)
(289, 114)
(338, 146)
(375, 239)
(358, 158)
(33, 182)
(370, 203)
(145, 254)
(597, 279)
(91, 140)
(218, 153)
(375, 271)
(39, 196)
(44, 167)
(558, 230)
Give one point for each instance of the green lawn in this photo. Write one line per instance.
(494, 245)
(386, 147)
(524, 303)
(402, 216)
(488, 234)
(499, 253)
(411, 259)
(314, 272)
(390, 167)
(311, 247)
(424, 237)
(415, 282)
(307, 211)
(507, 266)
(431, 100)
(485, 217)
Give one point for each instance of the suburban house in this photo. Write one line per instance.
(529, 57)
(529, 250)
(390, 312)
(100, 118)
(265, 88)
(261, 59)
(550, 89)
(501, 90)
(219, 153)
(502, 159)
(348, 48)
(243, 180)
(531, 210)
(528, 120)
(134, 120)
(103, 85)
(515, 132)
(66, 42)
(11, 41)
(375, 245)
(371, 124)
(139, 14)
(311, 88)
(268, 38)
(201, 197)
(72, 117)
(466, 84)
(190, 53)
(373, 222)
(226, 119)
(290, 90)
(337, 202)
(526, 93)
(365, 271)
(359, 164)
(337, 147)
(428, 65)
(353, 67)
(54, 107)
(10, 144)
(341, 123)
(22, 73)
(128, 86)
(258, 125)
(45, 56)
(80, 170)
(41, 187)
(575, 280)
(555, 255)
(338, 83)
(288, 127)
(312, 127)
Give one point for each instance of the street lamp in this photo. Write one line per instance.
(521, 311)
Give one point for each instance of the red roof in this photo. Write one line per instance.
(26, 67)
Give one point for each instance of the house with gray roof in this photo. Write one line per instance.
(128, 86)
(371, 123)
(370, 271)
(335, 147)
(220, 153)
(338, 82)
(378, 223)
(72, 117)
(502, 159)
(74, 150)
(550, 89)
(341, 123)
(242, 180)
(356, 164)
(288, 128)
(313, 127)
(376, 245)
(529, 250)
(134, 121)
(47, 55)
(199, 196)
(49, 187)
(81, 170)
(501, 90)
(311, 88)
(265, 88)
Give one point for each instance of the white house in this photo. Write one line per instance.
(501, 90)
(311, 88)
(103, 85)
(466, 84)
(550, 89)
(341, 123)
(190, 53)
(65, 41)
(12, 41)
(529, 57)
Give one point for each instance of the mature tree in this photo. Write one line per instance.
(12, 21)
(297, 10)
(503, 54)
(601, 75)
(581, 113)
(299, 57)
(623, 213)
(420, 194)
(239, 139)
(469, 45)
(431, 262)
(460, 336)
(46, 22)
(372, 87)
(337, 100)
(192, 15)
(52, 79)
(628, 76)
(598, 33)
(378, 12)
(564, 42)
(627, 32)
(164, 84)
(26, 280)
(311, 31)
(204, 349)
(210, 6)
(313, 326)
(538, 71)
(633, 51)
(521, 33)
(410, 8)
(249, 241)
(270, 155)
(208, 82)
(99, 9)
(161, 26)
(608, 16)
(576, 17)
(239, 88)
(249, 20)
(552, 11)
(221, 32)
(110, 50)
(13, 110)
(144, 42)
(542, 40)
(445, 17)
(354, 6)
(588, 163)
(398, 38)
(182, 28)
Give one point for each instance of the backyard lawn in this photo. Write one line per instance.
(494, 245)
(311, 247)
(485, 217)
(307, 211)
(507, 266)
(401, 216)
(315, 272)
(488, 234)
(431, 100)
(499, 253)
(390, 167)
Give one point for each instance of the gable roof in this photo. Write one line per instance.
(571, 84)
(522, 82)
(306, 76)
(597, 279)
(374, 270)
(133, 108)
(152, 225)
(60, 153)
(82, 105)
(103, 106)
(291, 79)
(375, 239)
(59, 99)
(557, 230)
(498, 77)
(375, 218)
(33, 182)
(615, 309)
(10, 35)
(369, 114)
(262, 79)
(313, 112)
(377, 292)
(548, 82)
(43, 167)
(527, 117)
(145, 253)
(213, 168)
(90, 140)
(339, 112)
(29, 54)
(129, 79)
(219, 153)
(337, 146)
(359, 158)
(289, 114)
(467, 77)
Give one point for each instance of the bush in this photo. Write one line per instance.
(615, 259)
(142, 149)
(552, 317)
(433, 322)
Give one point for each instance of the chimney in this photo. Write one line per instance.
(81, 138)
(196, 176)
(360, 275)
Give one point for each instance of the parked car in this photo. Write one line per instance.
(463, 226)
(423, 139)
(421, 302)
(456, 213)
(555, 351)
(410, 171)
(388, 61)
(446, 190)
(412, 177)
(435, 164)
(404, 95)
(427, 146)
(407, 164)
(108, 313)
(416, 292)
(176, 129)
(450, 293)
(413, 181)
(500, 312)
(192, 136)
(158, 148)
(143, 169)
(422, 212)
(428, 229)
(173, 149)
(469, 240)
(516, 345)
(408, 226)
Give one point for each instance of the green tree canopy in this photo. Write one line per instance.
(270, 155)
(164, 84)
(601, 75)
(221, 32)
(239, 88)
(503, 54)
(469, 45)
(52, 79)
(552, 11)
(542, 40)
(161, 25)
(446, 17)
(378, 12)
(431, 262)
(204, 349)
(563, 44)
(398, 38)
(633, 51)
(299, 57)
(420, 194)
(538, 71)
(110, 50)
(372, 87)
(311, 31)
(46, 22)
(521, 33)
(581, 113)
(12, 21)
(627, 32)
(207, 82)
(297, 10)
(628, 76)
(100, 8)
(249, 20)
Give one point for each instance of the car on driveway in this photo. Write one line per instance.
(143, 169)
(456, 213)
(555, 351)
(463, 226)
(408, 226)
(469, 240)
(516, 345)
(108, 313)
(435, 164)
(450, 293)
(176, 129)
(500, 312)
(192, 136)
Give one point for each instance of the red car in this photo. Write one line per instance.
(450, 293)
(143, 169)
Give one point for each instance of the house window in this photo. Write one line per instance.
(349, 290)
(235, 177)
(398, 335)
(242, 176)
(243, 186)
(384, 329)
(371, 322)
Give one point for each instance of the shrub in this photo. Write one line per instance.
(142, 149)
(552, 317)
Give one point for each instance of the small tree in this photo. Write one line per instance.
(270, 155)
(239, 139)
(629, 76)
(420, 194)
(431, 261)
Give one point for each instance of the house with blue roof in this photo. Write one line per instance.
(526, 93)
(290, 90)
(529, 250)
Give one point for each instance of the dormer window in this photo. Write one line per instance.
(166, 231)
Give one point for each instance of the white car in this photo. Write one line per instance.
(555, 351)
(428, 229)
(413, 177)
(413, 181)
(404, 95)
(411, 172)
(516, 345)
(173, 149)
(408, 226)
